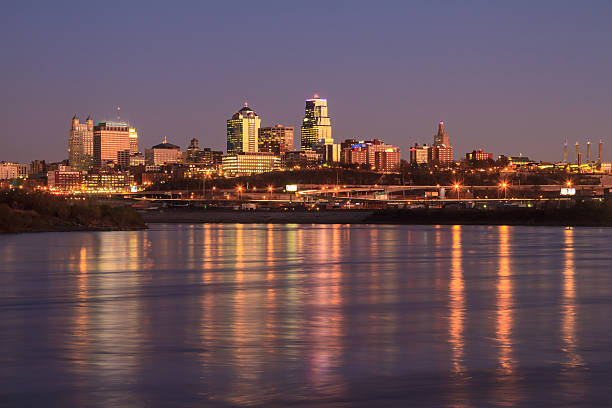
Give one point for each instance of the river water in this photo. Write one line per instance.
(307, 315)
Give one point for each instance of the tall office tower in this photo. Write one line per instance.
(80, 144)
(316, 127)
(242, 131)
(133, 141)
(110, 138)
(441, 138)
(588, 152)
(565, 152)
(276, 139)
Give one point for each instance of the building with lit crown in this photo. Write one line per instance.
(441, 138)
(240, 164)
(163, 153)
(133, 141)
(81, 144)
(316, 127)
(242, 131)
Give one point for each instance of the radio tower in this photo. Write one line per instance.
(565, 151)
(118, 113)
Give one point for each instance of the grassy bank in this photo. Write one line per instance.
(580, 215)
(592, 215)
(22, 211)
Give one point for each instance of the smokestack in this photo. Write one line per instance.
(588, 152)
(600, 150)
(577, 151)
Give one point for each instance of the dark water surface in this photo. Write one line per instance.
(325, 315)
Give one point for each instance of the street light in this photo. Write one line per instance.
(457, 187)
(239, 188)
(504, 187)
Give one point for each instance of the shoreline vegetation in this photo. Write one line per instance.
(582, 214)
(22, 211)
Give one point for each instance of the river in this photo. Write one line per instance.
(228, 315)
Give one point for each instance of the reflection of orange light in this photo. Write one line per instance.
(568, 313)
(504, 302)
(457, 301)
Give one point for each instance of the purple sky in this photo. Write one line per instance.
(509, 77)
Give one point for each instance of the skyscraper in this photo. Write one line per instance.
(80, 144)
(242, 131)
(316, 127)
(276, 139)
(441, 138)
(110, 138)
(133, 141)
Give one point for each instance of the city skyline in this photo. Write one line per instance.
(532, 74)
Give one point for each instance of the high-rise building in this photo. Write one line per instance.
(420, 154)
(163, 153)
(109, 139)
(316, 127)
(80, 144)
(441, 155)
(275, 139)
(242, 131)
(441, 138)
(388, 160)
(133, 141)
(193, 154)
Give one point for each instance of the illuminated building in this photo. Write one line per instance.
(38, 167)
(330, 152)
(163, 153)
(316, 126)
(109, 139)
(365, 152)
(388, 160)
(275, 139)
(249, 163)
(111, 182)
(441, 138)
(193, 154)
(133, 141)
(137, 159)
(479, 155)
(354, 155)
(242, 131)
(64, 178)
(442, 155)
(81, 144)
(9, 171)
(420, 154)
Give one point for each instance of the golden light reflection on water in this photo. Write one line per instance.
(457, 302)
(574, 361)
(328, 323)
(505, 304)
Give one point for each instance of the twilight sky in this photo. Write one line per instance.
(509, 77)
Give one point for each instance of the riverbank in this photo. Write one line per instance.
(577, 216)
(40, 212)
